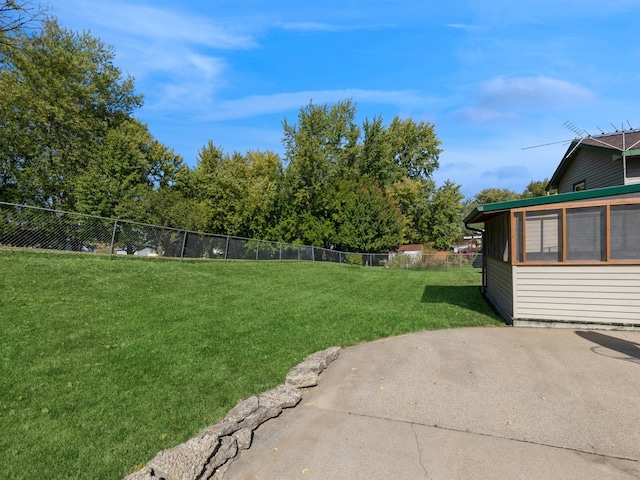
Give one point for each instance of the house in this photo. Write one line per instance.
(570, 259)
(407, 255)
(599, 161)
(414, 251)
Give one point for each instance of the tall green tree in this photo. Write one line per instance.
(326, 153)
(415, 147)
(402, 158)
(493, 195)
(16, 16)
(321, 148)
(445, 215)
(60, 94)
(129, 176)
(375, 160)
(235, 194)
(535, 188)
(413, 198)
(367, 220)
(258, 212)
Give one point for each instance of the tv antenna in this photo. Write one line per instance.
(579, 132)
(581, 135)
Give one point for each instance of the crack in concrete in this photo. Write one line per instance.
(415, 434)
(450, 429)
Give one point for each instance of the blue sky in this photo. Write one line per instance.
(493, 76)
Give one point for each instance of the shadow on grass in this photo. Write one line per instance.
(630, 350)
(468, 297)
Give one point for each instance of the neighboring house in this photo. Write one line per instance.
(571, 259)
(599, 161)
(414, 251)
(411, 253)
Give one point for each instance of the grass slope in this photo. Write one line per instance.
(105, 362)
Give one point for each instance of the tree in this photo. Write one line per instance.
(321, 148)
(375, 160)
(493, 195)
(367, 219)
(129, 177)
(325, 148)
(535, 189)
(60, 94)
(16, 16)
(413, 198)
(487, 195)
(258, 209)
(445, 215)
(415, 147)
(235, 194)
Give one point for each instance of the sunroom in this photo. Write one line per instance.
(570, 260)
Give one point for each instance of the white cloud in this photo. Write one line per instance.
(257, 105)
(512, 98)
(464, 26)
(175, 56)
(327, 27)
(160, 25)
(312, 27)
(539, 91)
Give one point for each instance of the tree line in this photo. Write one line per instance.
(69, 140)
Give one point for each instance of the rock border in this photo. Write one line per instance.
(209, 454)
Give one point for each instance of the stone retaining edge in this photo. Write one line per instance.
(209, 454)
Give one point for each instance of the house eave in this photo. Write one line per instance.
(485, 212)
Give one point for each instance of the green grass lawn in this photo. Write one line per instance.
(105, 362)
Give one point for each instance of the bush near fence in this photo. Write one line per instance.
(24, 226)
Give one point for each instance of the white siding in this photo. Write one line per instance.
(593, 294)
(499, 289)
(595, 167)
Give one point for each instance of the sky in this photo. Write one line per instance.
(494, 77)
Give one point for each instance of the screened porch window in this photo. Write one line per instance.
(625, 232)
(586, 232)
(497, 239)
(573, 233)
(543, 236)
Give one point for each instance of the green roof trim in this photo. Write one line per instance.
(482, 211)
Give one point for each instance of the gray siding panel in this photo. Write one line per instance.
(595, 167)
(499, 289)
(592, 294)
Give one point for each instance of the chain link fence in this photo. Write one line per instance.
(24, 226)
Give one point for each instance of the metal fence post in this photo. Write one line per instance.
(257, 249)
(184, 243)
(226, 248)
(313, 253)
(113, 238)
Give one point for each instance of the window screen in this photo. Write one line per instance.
(518, 240)
(625, 232)
(543, 236)
(497, 238)
(586, 233)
